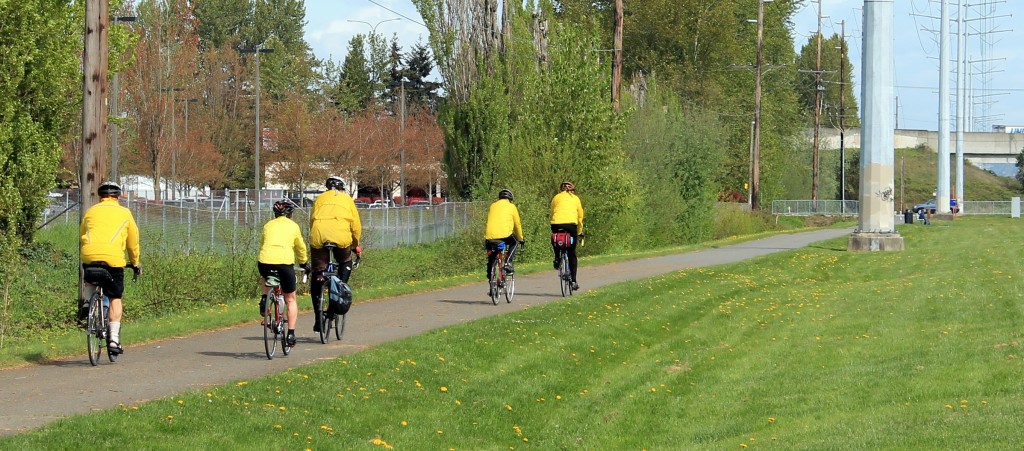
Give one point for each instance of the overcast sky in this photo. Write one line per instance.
(331, 23)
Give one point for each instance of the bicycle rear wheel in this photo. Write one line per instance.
(269, 328)
(495, 279)
(95, 329)
(322, 315)
(339, 326)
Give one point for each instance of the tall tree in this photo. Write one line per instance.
(834, 81)
(40, 45)
(355, 87)
(222, 22)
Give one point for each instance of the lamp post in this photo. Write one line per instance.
(115, 95)
(373, 27)
(174, 150)
(401, 169)
(259, 130)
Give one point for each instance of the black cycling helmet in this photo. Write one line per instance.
(335, 182)
(567, 186)
(283, 207)
(506, 194)
(109, 189)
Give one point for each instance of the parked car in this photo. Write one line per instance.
(382, 203)
(361, 204)
(420, 204)
(930, 206)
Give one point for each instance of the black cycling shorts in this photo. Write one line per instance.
(284, 272)
(113, 288)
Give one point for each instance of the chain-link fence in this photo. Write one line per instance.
(852, 207)
(232, 222)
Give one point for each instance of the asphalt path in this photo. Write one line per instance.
(39, 394)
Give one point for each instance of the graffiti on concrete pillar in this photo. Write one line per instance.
(886, 194)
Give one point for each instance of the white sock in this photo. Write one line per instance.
(115, 331)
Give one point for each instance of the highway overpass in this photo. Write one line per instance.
(996, 152)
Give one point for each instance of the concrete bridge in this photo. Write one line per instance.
(993, 151)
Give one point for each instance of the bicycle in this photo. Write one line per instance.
(563, 240)
(327, 319)
(97, 326)
(275, 319)
(503, 279)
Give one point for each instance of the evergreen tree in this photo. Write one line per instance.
(355, 89)
(419, 65)
(832, 81)
(222, 21)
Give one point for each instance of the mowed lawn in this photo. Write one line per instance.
(818, 348)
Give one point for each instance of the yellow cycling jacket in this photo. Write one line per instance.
(566, 208)
(503, 221)
(335, 219)
(282, 243)
(107, 230)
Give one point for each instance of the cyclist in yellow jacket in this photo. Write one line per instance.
(503, 225)
(106, 232)
(280, 246)
(567, 215)
(334, 219)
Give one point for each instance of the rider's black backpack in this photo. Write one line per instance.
(340, 296)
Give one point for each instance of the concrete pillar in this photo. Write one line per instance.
(876, 230)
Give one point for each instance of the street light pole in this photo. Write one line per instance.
(259, 129)
(115, 95)
(373, 27)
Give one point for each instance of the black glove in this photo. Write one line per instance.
(308, 268)
(137, 270)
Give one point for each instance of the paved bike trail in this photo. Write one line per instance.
(39, 394)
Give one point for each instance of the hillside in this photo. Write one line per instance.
(919, 173)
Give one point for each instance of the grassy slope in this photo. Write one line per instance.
(920, 175)
(817, 348)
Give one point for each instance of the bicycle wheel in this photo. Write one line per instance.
(495, 279)
(282, 311)
(269, 328)
(95, 329)
(339, 326)
(565, 275)
(322, 315)
(510, 286)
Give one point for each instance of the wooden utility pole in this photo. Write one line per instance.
(818, 88)
(94, 111)
(617, 58)
(755, 185)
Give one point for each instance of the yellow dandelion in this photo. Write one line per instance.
(458, 403)
(170, 417)
(404, 423)
(508, 407)
(949, 406)
(181, 401)
(444, 389)
(242, 383)
(277, 426)
(771, 419)
(743, 445)
(282, 408)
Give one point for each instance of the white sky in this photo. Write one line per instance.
(330, 27)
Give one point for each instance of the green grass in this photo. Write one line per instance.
(383, 274)
(817, 348)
